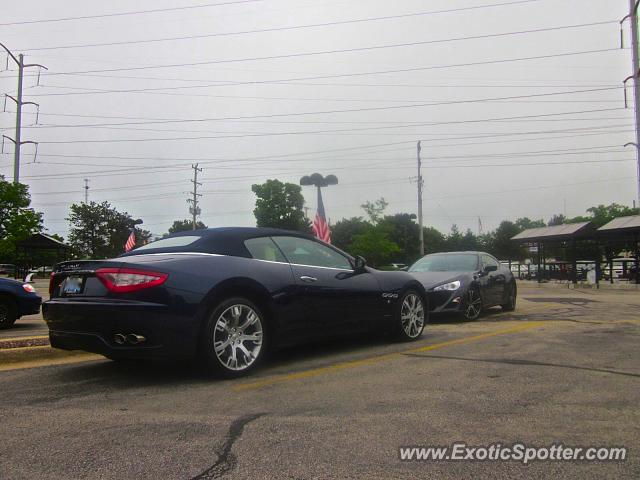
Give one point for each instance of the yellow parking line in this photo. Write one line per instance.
(376, 359)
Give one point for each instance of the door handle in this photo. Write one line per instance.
(308, 279)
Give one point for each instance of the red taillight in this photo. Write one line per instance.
(122, 280)
(51, 284)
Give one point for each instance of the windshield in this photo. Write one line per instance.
(446, 263)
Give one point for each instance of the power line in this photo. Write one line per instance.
(341, 132)
(241, 162)
(120, 14)
(322, 77)
(415, 123)
(351, 110)
(163, 91)
(278, 29)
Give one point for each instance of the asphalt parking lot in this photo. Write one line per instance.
(563, 368)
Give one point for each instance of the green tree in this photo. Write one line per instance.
(453, 240)
(17, 220)
(525, 223)
(558, 219)
(469, 241)
(343, 231)
(375, 246)
(185, 225)
(279, 205)
(502, 247)
(434, 240)
(375, 209)
(402, 229)
(602, 214)
(97, 230)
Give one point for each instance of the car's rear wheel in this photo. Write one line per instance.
(235, 338)
(8, 313)
(472, 304)
(510, 304)
(411, 316)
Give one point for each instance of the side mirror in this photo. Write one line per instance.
(359, 263)
(490, 268)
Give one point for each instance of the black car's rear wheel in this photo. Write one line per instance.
(235, 335)
(411, 316)
(8, 313)
(510, 304)
(472, 304)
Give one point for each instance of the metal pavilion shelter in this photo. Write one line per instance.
(623, 232)
(33, 248)
(566, 236)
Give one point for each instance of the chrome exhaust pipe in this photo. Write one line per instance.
(134, 339)
(119, 338)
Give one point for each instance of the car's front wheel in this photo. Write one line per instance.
(472, 304)
(411, 316)
(235, 338)
(8, 313)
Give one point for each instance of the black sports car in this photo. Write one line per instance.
(17, 299)
(465, 282)
(226, 296)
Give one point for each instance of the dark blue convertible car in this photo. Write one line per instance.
(226, 296)
(16, 299)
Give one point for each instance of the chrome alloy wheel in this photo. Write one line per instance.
(412, 315)
(237, 337)
(472, 304)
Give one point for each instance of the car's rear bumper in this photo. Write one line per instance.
(95, 343)
(92, 325)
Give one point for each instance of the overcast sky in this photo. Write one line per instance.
(501, 138)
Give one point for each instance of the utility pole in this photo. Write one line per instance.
(17, 141)
(635, 65)
(420, 185)
(86, 191)
(194, 209)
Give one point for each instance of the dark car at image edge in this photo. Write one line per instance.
(16, 300)
(465, 282)
(226, 296)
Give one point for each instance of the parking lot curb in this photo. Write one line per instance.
(19, 342)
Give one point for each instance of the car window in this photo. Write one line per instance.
(180, 241)
(307, 252)
(455, 262)
(487, 260)
(263, 248)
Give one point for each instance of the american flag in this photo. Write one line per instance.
(320, 226)
(131, 241)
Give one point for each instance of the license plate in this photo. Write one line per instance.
(72, 285)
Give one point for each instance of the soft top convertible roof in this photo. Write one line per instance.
(222, 241)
